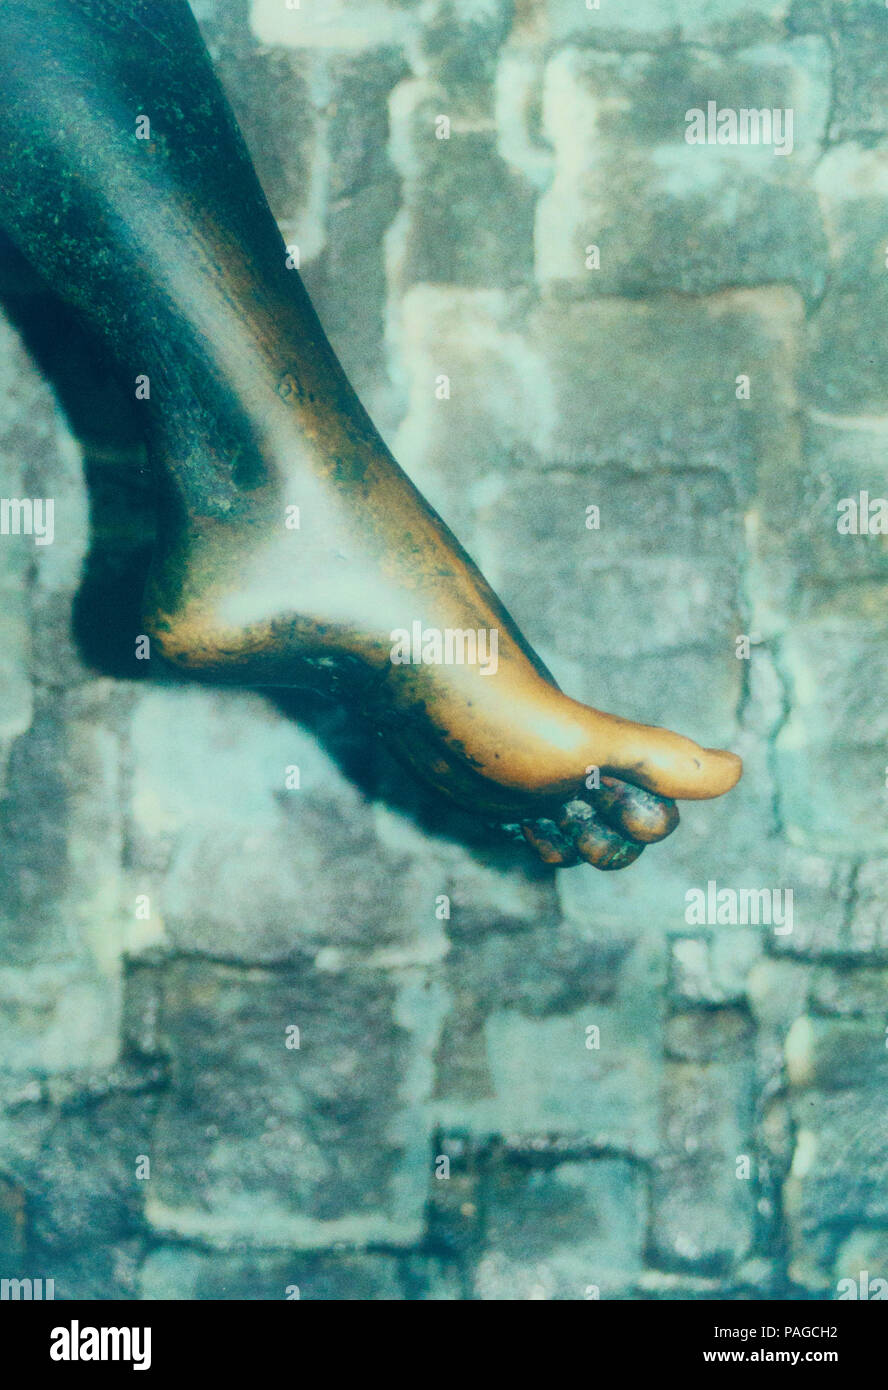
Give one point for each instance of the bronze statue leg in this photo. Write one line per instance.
(293, 550)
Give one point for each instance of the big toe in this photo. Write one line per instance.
(669, 764)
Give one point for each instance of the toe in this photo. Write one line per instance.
(669, 764)
(605, 849)
(553, 845)
(638, 814)
(596, 842)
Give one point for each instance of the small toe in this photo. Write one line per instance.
(552, 844)
(596, 842)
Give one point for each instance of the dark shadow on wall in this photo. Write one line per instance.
(106, 613)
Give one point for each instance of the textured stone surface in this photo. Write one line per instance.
(671, 215)
(829, 751)
(508, 1085)
(547, 517)
(860, 89)
(170, 1272)
(851, 181)
(651, 23)
(303, 1144)
(563, 1232)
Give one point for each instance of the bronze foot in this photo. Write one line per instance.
(292, 548)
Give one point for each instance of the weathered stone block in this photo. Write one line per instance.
(838, 1176)
(171, 1272)
(707, 1135)
(337, 24)
(843, 458)
(702, 1214)
(823, 889)
(829, 758)
(712, 969)
(466, 219)
(849, 993)
(60, 884)
(98, 1273)
(647, 23)
(835, 1054)
(861, 89)
(12, 1225)
(472, 406)
(660, 573)
(212, 810)
(837, 1180)
(666, 214)
(839, 377)
(460, 40)
(575, 1231)
(696, 692)
(361, 190)
(862, 1258)
(283, 1145)
(867, 926)
(653, 384)
(82, 1177)
(556, 1074)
